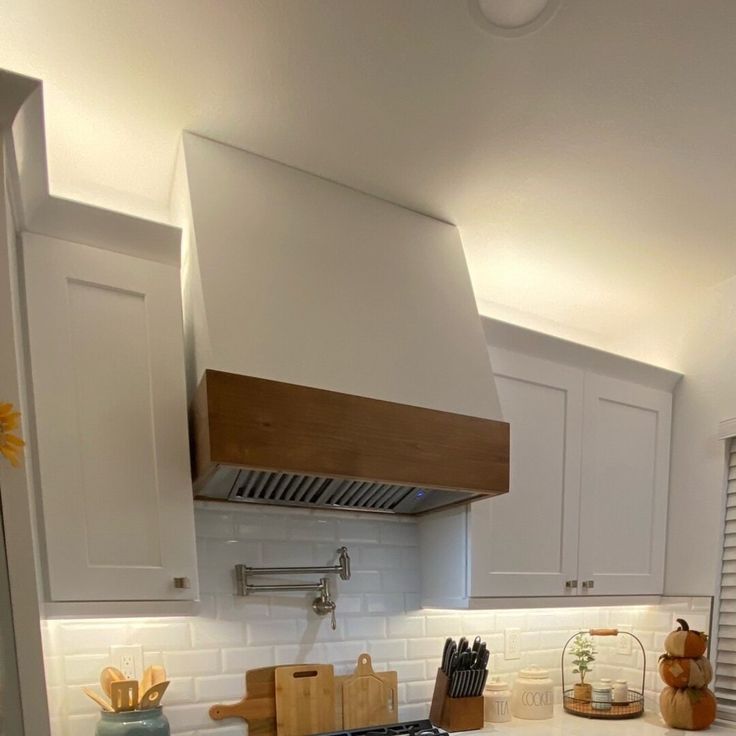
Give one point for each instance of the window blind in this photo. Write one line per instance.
(725, 688)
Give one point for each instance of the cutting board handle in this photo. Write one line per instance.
(364, 666)
(305, 673)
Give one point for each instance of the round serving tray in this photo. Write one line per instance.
(631, 709)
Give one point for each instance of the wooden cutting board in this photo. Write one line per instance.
(368, 698)
(305, 699)
(258, 706)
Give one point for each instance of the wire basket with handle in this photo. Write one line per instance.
(633, 707)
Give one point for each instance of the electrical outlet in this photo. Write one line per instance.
(128, 659)
(623, 643)
(512, 644)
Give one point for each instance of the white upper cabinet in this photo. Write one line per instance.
(107, 369)
(526, 540)
(586, 513)
(625, 477)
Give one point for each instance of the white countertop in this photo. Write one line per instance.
(564, 724)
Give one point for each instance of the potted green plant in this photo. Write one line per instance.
(583, 653)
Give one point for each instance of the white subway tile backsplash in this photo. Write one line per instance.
(378, 612)
(403, 626)
(387, 649)
(366, 628)
(443, 626)
(227, 687)
(76, 638)
(272, 632)
(82, 668)
(207, 633)
(168, 635)
(424, 648)
(194, 662)
(247, 658)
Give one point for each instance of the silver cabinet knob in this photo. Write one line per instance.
(182, 583)
(588, 584)
(570, 584)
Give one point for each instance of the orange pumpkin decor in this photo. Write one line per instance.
(685, 671)
(686, 702)
(685, 643)
(689, 708)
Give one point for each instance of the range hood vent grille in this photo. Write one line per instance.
(267, 442)
(312, 491)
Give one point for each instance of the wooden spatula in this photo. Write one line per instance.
(152, 697)
(104, 705)
(124, 695)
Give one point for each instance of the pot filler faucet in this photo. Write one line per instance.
(322, 605)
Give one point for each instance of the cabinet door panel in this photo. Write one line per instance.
(108, 384)
(625, 477)
(525, 543)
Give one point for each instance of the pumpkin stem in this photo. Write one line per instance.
(683, 625)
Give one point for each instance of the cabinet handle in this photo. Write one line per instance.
(183, 583)
(588, 584)
(569, 584)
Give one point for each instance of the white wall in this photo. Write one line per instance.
(377, 612)
(698, 340)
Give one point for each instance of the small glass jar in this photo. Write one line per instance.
(496, 705)
(532, 696)
(620, 691)
(150, 722)
(601, 699)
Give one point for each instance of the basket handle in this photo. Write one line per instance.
(603, 632)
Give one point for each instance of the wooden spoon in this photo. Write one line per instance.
(108, 676)
(146, 680)
(104, 705)
(152, 697)
(158, 674)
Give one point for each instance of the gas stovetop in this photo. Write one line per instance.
(407, 728)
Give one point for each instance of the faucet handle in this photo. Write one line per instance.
(323, 603)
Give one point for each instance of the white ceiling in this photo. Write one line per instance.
(591, 165)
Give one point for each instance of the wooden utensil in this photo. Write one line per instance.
(146, 680)
(104, 705)
(369, 698)
(258, 706)
(124, 695)
(158, 674)
(151, 698)
(305, 699)
(108, 676)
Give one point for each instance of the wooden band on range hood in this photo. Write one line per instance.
(248, 422)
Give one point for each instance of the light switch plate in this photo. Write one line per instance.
(512, 644)
(128, 659)
(623, 643)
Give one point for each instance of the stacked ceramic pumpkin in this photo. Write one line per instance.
(686, 702)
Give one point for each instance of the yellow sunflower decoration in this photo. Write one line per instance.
(10, 444)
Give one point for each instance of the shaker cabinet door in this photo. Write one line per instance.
(524, 543)
(625, 480)
(107, 368)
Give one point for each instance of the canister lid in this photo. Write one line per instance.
(534, 673)
(496, 686)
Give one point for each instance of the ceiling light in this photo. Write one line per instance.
(512, 17)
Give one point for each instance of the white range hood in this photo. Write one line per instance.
(296, 279)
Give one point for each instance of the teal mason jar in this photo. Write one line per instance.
(151, 722)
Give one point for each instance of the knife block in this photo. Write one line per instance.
(454, 714)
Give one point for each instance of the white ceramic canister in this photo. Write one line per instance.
(602, 696)
(620, 691)
(532, 696)
(496, 705)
